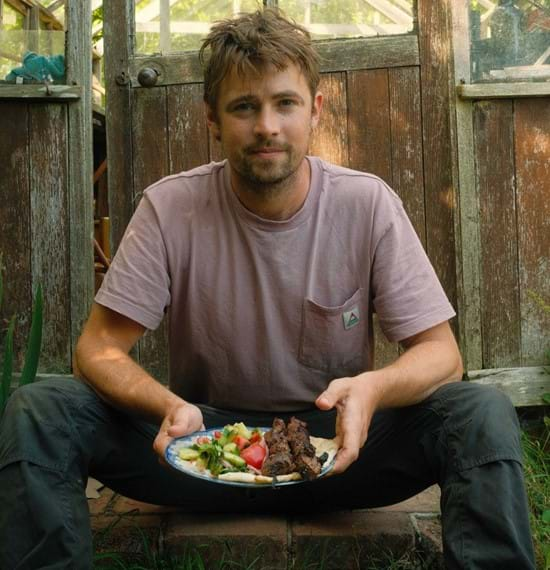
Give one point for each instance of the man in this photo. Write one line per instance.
(270, 266)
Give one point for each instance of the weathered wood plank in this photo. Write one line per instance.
(503, 90)
(494, 150)
(369, 53)
(80, 154)
(466, 220)
(187, 131)
(151, 162)
(15, 242)
(118, 37)
(524, 386)
(41, 93)
(48, 151)
(330, 140)
(406, 143)
(532, 153)
(370, 151)
(336, 55)
(369, 123)
(436, 72)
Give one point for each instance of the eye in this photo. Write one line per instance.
(287, 102)
(244, 106)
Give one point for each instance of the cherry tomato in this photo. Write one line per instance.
(241, 441)
(254, 455)
(203, 439)
(217, 434)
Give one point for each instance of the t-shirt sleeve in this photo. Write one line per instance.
(137, 283)
(407, 295)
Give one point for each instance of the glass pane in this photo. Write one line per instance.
(31, 55)
(168, 26)
(510, 40)
(353, 18)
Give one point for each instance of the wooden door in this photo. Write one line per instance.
(376, 92)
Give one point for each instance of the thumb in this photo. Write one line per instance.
(327, 400)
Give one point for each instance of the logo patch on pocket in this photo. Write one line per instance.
(351, 318)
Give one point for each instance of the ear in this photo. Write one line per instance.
(212, 122)
(316, 109)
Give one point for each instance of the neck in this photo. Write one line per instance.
(278, 201)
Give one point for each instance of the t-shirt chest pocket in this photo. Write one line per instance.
(333, 338)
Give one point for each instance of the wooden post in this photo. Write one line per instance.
(78, 57)
(165, 42)
(119, 35)
(468, 250)
(33, 29)
(435, 46)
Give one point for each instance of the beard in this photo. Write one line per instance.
(267, 176)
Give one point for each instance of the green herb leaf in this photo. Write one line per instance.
(34, 346)
(546, 398)
(546, 516)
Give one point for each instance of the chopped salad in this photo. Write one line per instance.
(235, 448)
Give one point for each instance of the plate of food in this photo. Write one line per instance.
(235, 454)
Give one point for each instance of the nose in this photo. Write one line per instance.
(267, 123)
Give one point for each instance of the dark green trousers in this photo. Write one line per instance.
(464, 437)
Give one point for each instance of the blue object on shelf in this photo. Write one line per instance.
(39, 68)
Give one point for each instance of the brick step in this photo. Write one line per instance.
(343, 540)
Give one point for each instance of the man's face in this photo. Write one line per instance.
(264, 123)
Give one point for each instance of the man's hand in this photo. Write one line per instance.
(355, 404)
(182, 419)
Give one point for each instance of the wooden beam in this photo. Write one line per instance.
(41, 92)
(467, 224)
(56, 5)
(336, 55)
(391, 11)
(79, 72)
(524, 386)
(202, 28)
(502, 90)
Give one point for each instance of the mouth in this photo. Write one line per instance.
(266, 151)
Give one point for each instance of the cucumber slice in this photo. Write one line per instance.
(234, 459)
(231, 448)
(188, 454)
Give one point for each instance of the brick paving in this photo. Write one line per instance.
(345, 539)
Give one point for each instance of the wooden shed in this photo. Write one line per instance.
(467, 151)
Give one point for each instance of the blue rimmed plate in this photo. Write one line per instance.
(242, 479)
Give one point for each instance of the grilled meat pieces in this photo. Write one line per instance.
(290, 450)
(303, 451)
(279, 461)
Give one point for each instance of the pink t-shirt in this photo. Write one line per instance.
(263, 314)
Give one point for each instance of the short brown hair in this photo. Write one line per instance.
(252, 41)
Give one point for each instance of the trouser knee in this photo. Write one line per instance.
(37, 425)
(480, 425)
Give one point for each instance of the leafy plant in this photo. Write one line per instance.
(32, 353)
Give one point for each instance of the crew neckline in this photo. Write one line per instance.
(266, 224)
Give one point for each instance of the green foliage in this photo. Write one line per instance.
(536, 447)
(32, 353)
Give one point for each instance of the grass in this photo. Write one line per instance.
(536, 447)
